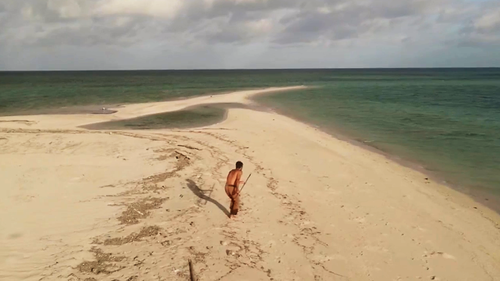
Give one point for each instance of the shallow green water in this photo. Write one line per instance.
(198, 116)
(35, 92)
(447, 120)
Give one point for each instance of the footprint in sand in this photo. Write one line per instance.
(271, 243)
(443, 255)
(24, 198)
(376, 249)
(304, 223)
(360, 220)
(232, 249)
(14, 235)
(422, 229)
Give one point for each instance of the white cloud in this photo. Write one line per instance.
(65, 8)
(158, 8)
(261, 26)
(27, 12)
(490, 20)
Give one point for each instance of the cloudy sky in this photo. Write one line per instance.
(186, 34)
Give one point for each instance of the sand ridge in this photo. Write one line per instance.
(316, 208)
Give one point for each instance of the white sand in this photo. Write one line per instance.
(315, 208)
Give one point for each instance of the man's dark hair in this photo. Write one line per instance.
(239, 165)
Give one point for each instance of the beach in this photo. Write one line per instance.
(88, 205)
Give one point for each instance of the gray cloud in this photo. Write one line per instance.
(481, 27)
(349, 20)
(141, 28)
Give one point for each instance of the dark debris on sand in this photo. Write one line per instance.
(182, 161)
(145, 232)
(139, 210)
(104, 263)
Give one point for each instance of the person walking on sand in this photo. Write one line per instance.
(232, 188)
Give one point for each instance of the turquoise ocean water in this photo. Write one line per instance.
(445, 120)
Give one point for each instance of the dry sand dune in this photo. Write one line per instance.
(137, 205)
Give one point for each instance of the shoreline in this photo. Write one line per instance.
(248, 101)
(480, 195)
(336, 208)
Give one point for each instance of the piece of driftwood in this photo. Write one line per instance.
(188, 147)
(191, 271)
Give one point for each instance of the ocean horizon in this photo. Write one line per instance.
(246, 69)
(446, 120)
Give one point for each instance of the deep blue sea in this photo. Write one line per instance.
(445, 120)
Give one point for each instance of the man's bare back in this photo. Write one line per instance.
(233, 178)
(233, 181)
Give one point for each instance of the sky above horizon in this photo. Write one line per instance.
(213, 34)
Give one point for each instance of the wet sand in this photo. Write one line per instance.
(190, 117)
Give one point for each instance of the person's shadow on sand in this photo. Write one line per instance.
(200, 193)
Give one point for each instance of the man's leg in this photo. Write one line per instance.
(236, 204)
(230, 191)
(231, 207)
